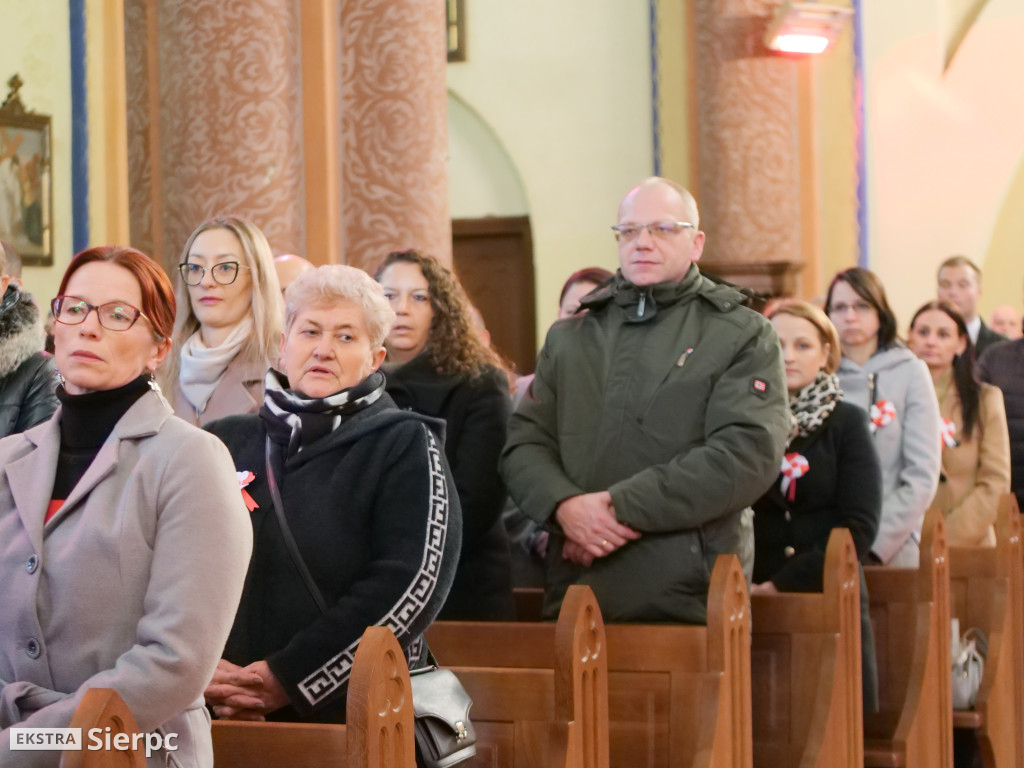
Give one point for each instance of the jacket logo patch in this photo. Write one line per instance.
(759, 387)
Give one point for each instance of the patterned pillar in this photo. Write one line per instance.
(214, 119)
(394, 129)
(748, 136)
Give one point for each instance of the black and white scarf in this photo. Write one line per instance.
(812, 405)
(297, 421)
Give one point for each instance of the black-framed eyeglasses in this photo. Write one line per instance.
(114, 315)
(224, 273)
(658, 229)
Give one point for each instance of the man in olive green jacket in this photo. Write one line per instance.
(655, 417)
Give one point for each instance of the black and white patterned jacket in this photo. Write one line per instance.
(374, 511)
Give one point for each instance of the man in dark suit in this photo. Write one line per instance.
(960, 285)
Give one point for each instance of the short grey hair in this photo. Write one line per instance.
(329, 284)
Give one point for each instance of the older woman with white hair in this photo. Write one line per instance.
(355, 515)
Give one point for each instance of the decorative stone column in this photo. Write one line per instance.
(394, 120)
(214, 119)
(751, 126)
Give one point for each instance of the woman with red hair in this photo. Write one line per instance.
(116, 517)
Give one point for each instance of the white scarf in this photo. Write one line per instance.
(203, 367)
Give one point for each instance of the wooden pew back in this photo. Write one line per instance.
(379, 715)
(581, 675)
(985, 591)
(103, 708)
(540, 699)
(677, 695)
(806, 662)
(910, 615)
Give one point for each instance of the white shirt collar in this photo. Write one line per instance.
(973, 328)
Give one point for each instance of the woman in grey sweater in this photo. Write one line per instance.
(879, 374)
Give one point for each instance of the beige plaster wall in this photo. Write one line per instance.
(945, 142)
(566, 89)
(483, 181)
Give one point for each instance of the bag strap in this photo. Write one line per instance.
(286, 534)
(978, 638)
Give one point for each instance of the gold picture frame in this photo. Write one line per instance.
(26, 188)
(456, 12)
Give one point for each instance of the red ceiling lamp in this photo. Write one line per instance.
(806, 27)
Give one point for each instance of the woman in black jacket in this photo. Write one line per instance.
(366, 494)
(437, 366)
(830, 475)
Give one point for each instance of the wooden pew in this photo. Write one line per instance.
(806, 665)
(677, 695)
(378, 733)
(985, 587)
(910, 615)
(103, 708)
(550, 709)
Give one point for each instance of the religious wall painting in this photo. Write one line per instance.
(25, 182)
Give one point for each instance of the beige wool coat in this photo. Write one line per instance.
(132, 585)
(239, 392)
(977, 471)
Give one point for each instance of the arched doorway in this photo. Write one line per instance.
(492, 245)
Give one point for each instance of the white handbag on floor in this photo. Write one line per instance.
(968, 654)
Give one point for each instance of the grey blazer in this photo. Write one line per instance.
(239, 392)
(132, 585)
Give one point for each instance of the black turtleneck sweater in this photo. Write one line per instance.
(86, 421)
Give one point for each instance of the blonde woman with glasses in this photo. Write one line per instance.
(229, 321)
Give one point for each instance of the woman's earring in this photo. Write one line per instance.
(153, 384)
(60, 377)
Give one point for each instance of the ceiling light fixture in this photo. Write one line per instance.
(806, 27)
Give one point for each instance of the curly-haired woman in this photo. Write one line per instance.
(437, 367)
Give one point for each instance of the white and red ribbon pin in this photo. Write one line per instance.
(883, 413)
(949, 434)
(244, 478)
(794, 466)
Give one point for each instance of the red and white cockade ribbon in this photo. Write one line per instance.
(949, 434)
(883, 413)
(793, 466)
(244, 478)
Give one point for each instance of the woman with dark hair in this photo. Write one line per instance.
(975, 438)
(438, 367)
(879, 374)
(124, 540)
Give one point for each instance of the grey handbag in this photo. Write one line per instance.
(444, 733)
(968, 667)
